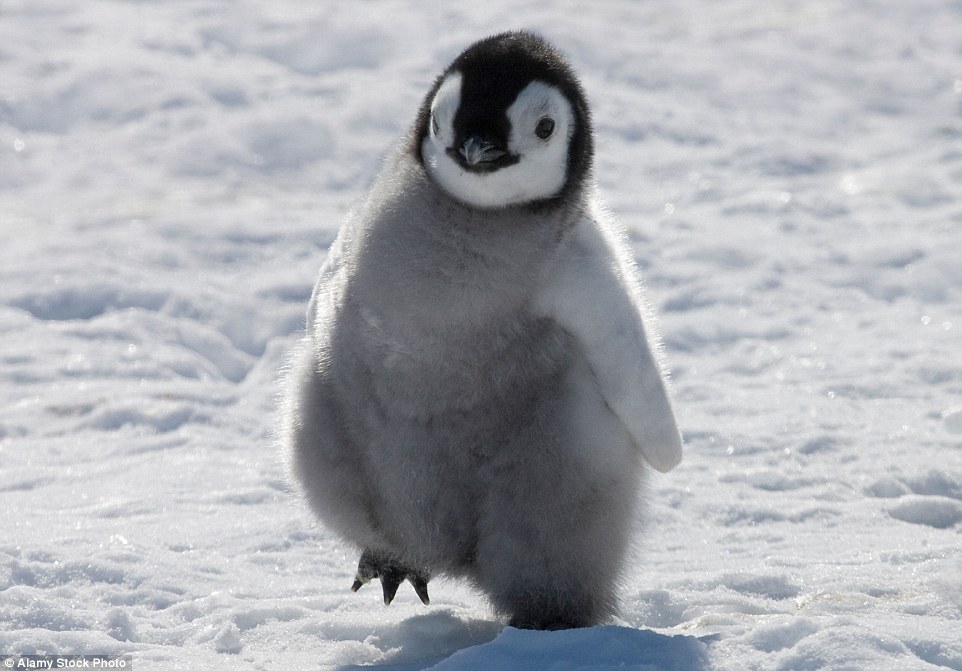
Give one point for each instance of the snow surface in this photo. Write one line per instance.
(172, 173)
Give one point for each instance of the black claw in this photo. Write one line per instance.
(390, 581)
(392, 573)
(420, 587)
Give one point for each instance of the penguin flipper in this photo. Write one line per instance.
(392, 572)
(592, 291)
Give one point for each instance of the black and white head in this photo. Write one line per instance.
(506, 124)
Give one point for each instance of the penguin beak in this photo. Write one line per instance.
(478, 150)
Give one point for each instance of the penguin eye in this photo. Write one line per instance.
(544, 128)
(434, 125)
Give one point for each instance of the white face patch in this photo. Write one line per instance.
(541, 168)
(443, 108)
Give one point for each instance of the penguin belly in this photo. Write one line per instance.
(434, 428)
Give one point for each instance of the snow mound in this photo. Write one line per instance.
(581, 649)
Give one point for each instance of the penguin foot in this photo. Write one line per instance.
(392, 572)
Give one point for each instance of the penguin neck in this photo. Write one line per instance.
(537, 225)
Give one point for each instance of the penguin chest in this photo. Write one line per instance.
(445, 327)
(456, 373)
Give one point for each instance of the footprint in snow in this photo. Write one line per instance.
(933, 499)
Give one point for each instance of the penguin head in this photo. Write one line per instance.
(506, 124)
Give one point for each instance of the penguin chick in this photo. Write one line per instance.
(477, 392)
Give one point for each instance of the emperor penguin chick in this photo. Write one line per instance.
(477, 394)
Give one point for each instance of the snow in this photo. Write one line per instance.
(171, 175)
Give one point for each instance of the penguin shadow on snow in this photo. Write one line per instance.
(444, 641)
